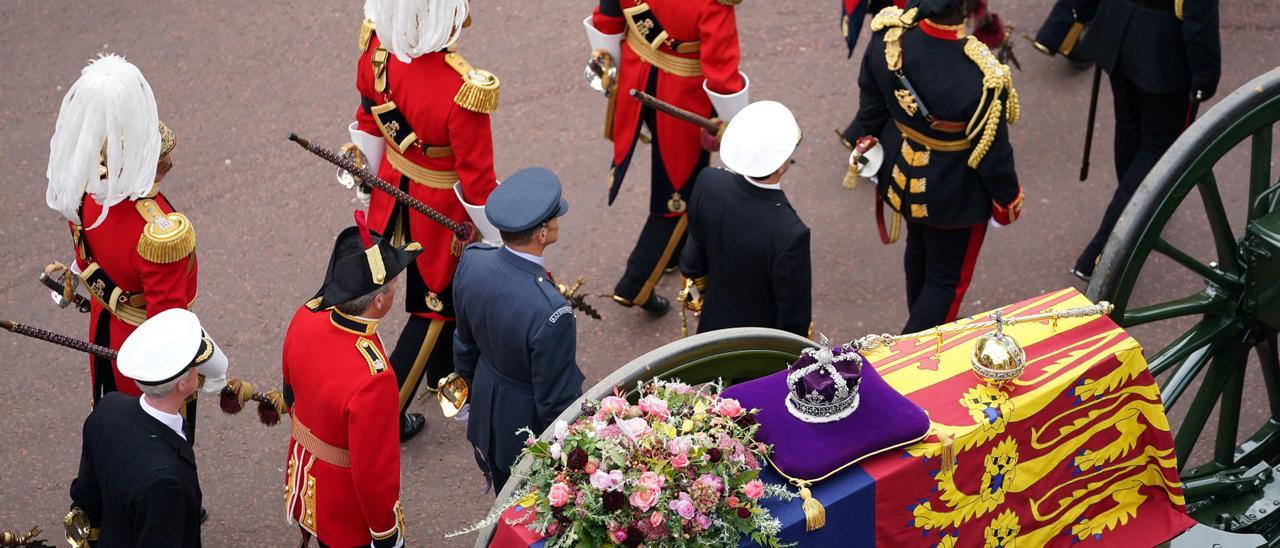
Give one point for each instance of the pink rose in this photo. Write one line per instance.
(656, 518)
(605, 480)
(555, 450)
(590, 468)
(619, 536)
(651, 480)
(680, 461)
(614, 405)
(643, 498)
(561, 429)
(680, 444)
(753, 489)
(529, 441)
(702, 521)
(732, 501)
(634, 428)
(559, 494)
(728, 407)
(654, 406)
(683, 506)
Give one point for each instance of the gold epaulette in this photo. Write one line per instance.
(893, 16)
(997, 80)
(896, 20)
(366, 34)
(479, 91)
(165, 238)
(729, 2)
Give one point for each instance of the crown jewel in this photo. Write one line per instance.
(823, 383)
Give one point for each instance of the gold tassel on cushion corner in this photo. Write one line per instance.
(815, 515)
(948, 451)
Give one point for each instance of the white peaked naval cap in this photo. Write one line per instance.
(760, 139)
(164, 347)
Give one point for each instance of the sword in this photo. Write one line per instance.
(464, 233)
(1093, 116)
(676, 112)
(58, 286)
(576, 300)
(236, 390)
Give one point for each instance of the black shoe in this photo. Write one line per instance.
(1075, 271)
(657, 305)
(204, 515)
(411, 424)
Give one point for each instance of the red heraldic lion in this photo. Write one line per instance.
(342, 481)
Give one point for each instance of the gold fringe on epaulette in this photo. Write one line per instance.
(997, 79)
(477, 97)
(893, 16)
(164, 245)
(815, 515)
(366, 34)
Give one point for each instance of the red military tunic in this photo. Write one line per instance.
(114, 245)
(452, 142)
(342, 480)
(709, 22)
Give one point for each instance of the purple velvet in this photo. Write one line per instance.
(808, 451)
(819, 381)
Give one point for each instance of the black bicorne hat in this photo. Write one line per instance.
(361, 262)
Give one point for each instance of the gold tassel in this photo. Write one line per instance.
(366, 34)
(815, 515)
(948, 451)
(478, 94)
(850, 178)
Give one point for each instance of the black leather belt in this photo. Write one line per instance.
(1158, 5)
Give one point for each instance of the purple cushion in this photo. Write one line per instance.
(807, 451)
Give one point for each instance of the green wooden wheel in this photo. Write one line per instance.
(1234, 311)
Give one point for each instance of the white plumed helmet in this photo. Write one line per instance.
(108, 113)
(410, 28)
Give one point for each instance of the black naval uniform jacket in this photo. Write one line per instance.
(1157, 48)
(754, 250)
(516, 345)
(137, 479)
(924, 183)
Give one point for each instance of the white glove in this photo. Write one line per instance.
(611, 43)
(363, 197)
(993, 224)
(463, 414)
(214, 370)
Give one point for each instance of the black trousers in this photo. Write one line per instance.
(646, 262)
(939, 265)
(1147, 124)
(433, 360)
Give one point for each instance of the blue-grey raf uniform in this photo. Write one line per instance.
(516, 338)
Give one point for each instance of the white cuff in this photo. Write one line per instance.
(371, 145)
(611, 43)
(488, 232)
(727, 106)
(214, 370)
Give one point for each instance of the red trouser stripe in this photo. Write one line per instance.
(976, 234)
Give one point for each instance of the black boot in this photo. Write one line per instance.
(657, 305)
(411, 424)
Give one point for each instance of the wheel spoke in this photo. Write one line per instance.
(1225, 366)
(1269, 361)
(1218, 277)
(1198, 304)
(1259, 171)
(1182, 378)
(1202, 334)
(1223, 238)
(1224, 447)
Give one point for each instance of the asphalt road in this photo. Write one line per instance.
(233, 78)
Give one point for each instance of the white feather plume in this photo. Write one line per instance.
(111, 103)
(411, 28)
